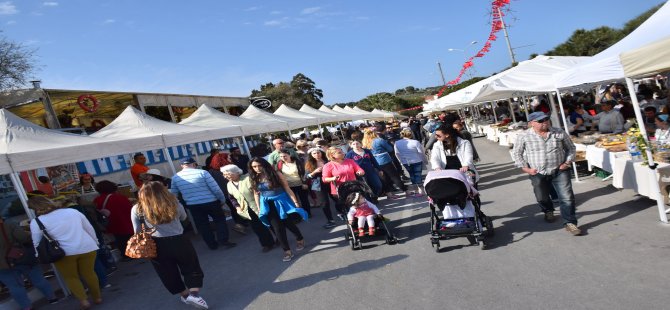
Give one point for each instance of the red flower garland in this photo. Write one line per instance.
(88, 103)
(496, 25)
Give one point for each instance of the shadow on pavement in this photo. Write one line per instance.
(308, 280)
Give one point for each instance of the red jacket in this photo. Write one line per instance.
(119, 218)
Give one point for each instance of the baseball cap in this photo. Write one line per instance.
(188, 161)
(154, 172)
(537, 116)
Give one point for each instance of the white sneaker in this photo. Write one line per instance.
(195, 301)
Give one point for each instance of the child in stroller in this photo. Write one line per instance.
(455, 196)
(364, 211)
(354, 229)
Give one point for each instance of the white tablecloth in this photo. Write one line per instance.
(638, 177)
(603, 158)
(508, 138)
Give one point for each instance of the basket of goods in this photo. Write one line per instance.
(615, 143)
(662, 157)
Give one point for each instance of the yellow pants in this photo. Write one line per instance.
(73, 268)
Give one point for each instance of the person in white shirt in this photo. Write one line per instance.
(77, 238)
(410, 154)
(662, 134)
(609, 120)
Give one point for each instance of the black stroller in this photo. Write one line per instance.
(457, 200)
(359, 186)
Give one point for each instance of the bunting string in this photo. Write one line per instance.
(497, 7)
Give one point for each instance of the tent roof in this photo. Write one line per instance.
(379, 114)
(307, 119)
(255, 113)
(132, 124)
(353, 114)
(206, 116)
(334, 116)
(340, 111)
(650, 59)
(527, 78)
(606, 66)
(29, 146)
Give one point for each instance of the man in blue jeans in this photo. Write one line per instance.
(204, 198)
(545, 154)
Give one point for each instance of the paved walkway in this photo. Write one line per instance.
(619, 263)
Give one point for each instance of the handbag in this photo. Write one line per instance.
(48, 250)
(103, 213)
(141, 244)
(18, 254)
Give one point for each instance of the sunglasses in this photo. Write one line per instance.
(542, 120)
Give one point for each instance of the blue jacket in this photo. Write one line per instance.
(382, 151)
(367, 162)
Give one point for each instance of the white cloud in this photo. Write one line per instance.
(310, 10)
(50, 3)
(253, 8)
(11, 22)
(109, 21)
(275, 12)
(273, 23)
(7, 8)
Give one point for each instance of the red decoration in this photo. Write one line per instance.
(496, 25)
(88, 103)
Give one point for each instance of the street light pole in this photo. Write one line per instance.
(439, 66)
(509, 45)
(465, 56)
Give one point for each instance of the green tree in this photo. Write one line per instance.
(587, 42)
(383, 101)
(16, 64)
(301, 90)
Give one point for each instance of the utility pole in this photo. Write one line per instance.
(439, 66)
(509, 45)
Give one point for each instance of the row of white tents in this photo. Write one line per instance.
(644, 52)
(27, 146)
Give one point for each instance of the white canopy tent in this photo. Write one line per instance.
(307, 119)
(352, 114)
(606, 65)
(374, 114)
(648, 60)
(132, 124)
(254, 113)
(28, 146)
(334, 117)
(368, 115)
(206, 116)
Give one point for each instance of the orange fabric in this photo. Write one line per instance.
(219, 160)
(136, 170)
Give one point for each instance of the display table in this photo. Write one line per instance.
(491, 133)
(603, 158)
(628, 174)
(508, 138)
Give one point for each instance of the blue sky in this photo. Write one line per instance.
(351, 49)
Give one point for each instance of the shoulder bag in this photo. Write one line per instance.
(18, 254)
(48, 250)
(141, 244)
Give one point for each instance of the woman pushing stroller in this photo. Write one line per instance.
(453, 152)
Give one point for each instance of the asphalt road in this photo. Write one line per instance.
(619, 263)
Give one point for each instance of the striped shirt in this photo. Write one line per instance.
(196, 186)
(544, 154)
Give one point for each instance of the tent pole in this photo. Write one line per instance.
(320, 131)
(342, 131)
(170, 160)
(174, 120)
(23, 196)
(195, 151)
(650, 158)
(525, 107)
(495, 117)
(511, 110)
(246, 146)
(560, 105)
(552, 109)
(290, 135)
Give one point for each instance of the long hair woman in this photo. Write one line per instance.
(316, 159)
(77, 238)
(293, 169)
(452, 152)
(382, 151)
(176, 263)
(276, 201)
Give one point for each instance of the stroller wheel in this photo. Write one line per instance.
(437, 248)
(472, 240)
(352, 242)
(482, 245)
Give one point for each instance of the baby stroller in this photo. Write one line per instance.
(452, 194)
(343, 191)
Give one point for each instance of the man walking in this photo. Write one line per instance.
(545, 153)
(204, 199)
